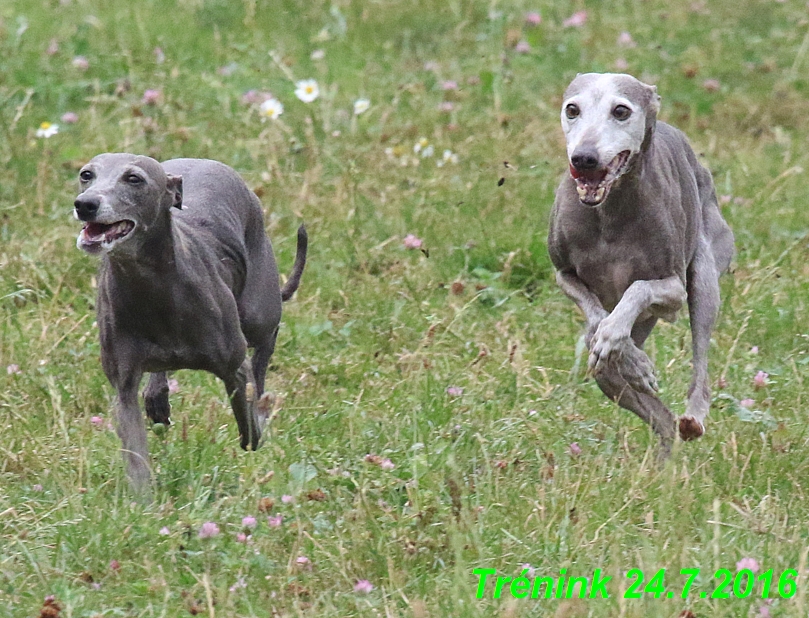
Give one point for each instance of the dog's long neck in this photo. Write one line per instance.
(625, 197)
(152, 258)
(138, 285)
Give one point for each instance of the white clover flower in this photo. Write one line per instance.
(361, 105)
(46, 130)
(421, 145)
(427, 152)
(81, 63)
(447, 157)
(307, 90)
(271, 108)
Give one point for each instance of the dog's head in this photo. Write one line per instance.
(122, 196)
(608, 119)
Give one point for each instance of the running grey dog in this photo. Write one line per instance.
(187, 281)
(636, 232)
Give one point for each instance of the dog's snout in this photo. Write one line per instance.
(87, 207)
(585, 160)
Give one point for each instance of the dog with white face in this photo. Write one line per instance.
(604, 118)
(635, 233)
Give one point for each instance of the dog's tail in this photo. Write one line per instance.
(297, 270)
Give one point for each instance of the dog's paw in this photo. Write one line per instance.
(606, 344)
(251, 442)
(637, 369)
(621, 353)
(690, 428)
(251, 439)
(158, 408)
(265, 404)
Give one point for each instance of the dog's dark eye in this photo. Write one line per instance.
(572, 111)
(133, 179)
(621, 112)
(86, 176)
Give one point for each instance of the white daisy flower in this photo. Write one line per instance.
(46, 130)
(361, 105)
(421, 145)
(307, 90)
(427, 152)
(271, 108)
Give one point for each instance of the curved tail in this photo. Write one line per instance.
(297, 270)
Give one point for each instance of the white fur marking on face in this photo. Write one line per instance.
(596, 128)
(604, 118)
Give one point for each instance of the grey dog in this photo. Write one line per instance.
(635, 233)
(187, 281)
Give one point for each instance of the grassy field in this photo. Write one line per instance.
(432, 416)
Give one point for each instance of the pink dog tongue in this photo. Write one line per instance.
(95, 231)
(590, 177)
(589, 187)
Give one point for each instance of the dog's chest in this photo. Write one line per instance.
(178, 325)
(609, 263)
(157, 342)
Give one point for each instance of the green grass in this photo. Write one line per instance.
(376, 334)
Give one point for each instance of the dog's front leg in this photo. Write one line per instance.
(132, 432)
(612, 342)
(575, 289)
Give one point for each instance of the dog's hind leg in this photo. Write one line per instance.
(156, 398)
(648, 407)
(645, 404)
(261, 359)
(703, 307)
(633, 364)
(241, 389)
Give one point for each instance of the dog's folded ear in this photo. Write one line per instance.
(174, 185)
(652, 106)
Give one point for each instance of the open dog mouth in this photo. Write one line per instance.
(593, 186)
(96, 237)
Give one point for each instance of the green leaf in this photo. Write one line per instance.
(302, 473)
(319, 329)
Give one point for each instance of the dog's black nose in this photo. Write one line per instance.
(586, 160)
(86, 207)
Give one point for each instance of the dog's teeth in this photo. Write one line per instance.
(582, 191)
(600, 193)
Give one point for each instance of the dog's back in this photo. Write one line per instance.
(216, 198)
(218, 205)
(714, 227)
